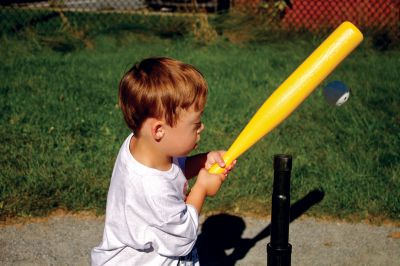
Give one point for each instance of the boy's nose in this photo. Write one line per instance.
(201, 128)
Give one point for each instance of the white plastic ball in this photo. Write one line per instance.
(336, 93)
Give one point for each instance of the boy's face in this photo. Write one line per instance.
(184, 136)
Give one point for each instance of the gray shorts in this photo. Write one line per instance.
(191, 259)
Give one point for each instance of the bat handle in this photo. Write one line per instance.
(216, 169)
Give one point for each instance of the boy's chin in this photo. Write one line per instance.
(183, 154)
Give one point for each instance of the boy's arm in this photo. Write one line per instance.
(206, 185)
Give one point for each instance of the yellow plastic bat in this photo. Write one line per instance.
(295, 89)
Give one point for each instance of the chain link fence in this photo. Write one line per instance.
(317, 16)
(322, 15)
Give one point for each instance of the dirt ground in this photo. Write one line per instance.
(66, 239)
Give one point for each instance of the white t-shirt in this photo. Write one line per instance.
(147, 219)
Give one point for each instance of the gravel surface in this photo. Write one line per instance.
(67, 240)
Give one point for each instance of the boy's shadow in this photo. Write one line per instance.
(222, 232)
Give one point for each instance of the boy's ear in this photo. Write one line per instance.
(158, 130)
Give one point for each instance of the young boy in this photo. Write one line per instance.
(150, 218)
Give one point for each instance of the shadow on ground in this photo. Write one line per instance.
(223, 232)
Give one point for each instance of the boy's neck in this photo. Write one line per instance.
(147, 155)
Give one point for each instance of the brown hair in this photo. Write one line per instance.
(158, 87)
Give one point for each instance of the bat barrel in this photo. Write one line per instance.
(279, 250)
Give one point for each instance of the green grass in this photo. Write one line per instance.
(61, 128)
